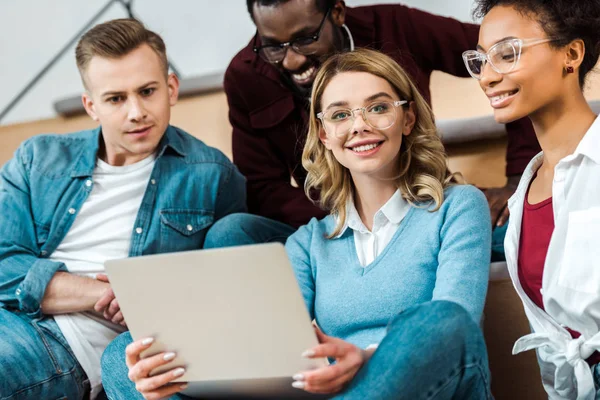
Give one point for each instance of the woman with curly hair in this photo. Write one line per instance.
(396, 276)
(532, 60)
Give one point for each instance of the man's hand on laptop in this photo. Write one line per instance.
(331, 378)
(158, 386)
(108, 304)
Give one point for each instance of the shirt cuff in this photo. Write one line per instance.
(31, 291)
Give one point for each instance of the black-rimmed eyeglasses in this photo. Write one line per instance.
(307, 45)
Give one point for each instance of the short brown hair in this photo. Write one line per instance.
(115, 39)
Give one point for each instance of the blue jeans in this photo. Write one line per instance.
(431, 351)
(241, 229)
(498, 235)
(35, 360)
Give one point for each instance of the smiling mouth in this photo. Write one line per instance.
(496, 100)
(305, 77)
(365, 147)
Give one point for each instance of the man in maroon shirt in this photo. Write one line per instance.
(268, 85)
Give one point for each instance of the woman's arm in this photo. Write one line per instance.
(298, 250)
(464, 257)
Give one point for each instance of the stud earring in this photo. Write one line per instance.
(570, 69)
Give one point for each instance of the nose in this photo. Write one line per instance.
(489, 77)
(359, 124)
(292, 60)
(137, 111)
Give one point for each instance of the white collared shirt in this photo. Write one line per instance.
(571, 278)
(369, 244)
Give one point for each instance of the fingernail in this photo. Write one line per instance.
(308, 353)
(147, 341)
(179, 372)
(298, 385)
(184, 386)
(169, 356)
(298, 377)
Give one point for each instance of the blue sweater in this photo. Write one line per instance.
(441, 255)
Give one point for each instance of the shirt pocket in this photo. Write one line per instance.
(580, 267)
(184, 229)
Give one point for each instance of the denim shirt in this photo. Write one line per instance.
(47, 181)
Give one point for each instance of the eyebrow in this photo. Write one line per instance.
(370, 98)
(479, 47)
(117, 93)
(303, 32)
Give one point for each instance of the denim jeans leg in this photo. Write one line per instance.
(431, 351)
(36, 361)
(114, 372)
(498, 235)
(596, 374)
(242, 229)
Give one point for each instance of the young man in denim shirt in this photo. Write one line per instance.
(133, 186)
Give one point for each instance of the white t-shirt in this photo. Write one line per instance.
(101, 231)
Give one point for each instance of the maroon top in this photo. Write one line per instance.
(270, 122)
(536, 230)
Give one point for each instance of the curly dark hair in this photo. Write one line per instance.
(322, 5)
(564, 19)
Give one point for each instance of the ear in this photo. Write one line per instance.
(173, 88)
(575, 51)
(88, 104)
(323, 137)
(410, 118)
(338, 13)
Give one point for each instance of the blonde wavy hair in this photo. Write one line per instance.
(423, 163)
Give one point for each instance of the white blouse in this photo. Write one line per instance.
(369, 244)
(571, 278)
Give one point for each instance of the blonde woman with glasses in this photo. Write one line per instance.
(532, 60)
(396, 275)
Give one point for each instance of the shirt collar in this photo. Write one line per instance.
(87, 160)
(589, 145)
(394, 210)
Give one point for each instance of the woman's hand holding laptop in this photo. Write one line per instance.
(157, 386)
(331, 378)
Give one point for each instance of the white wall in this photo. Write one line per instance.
(33, 31)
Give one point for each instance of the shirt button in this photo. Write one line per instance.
(18, 292)
(189, 228)
(88, 183)
(153, 181)
(71, 211)
(138, 230)
(44, 252)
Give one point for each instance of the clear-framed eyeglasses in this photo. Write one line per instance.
(503, 57)
(378, 115)
(275, 53)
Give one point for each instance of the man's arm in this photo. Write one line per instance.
(68, 293)
(231, 197)
(269, 189)
(24, 274)
(436, 42)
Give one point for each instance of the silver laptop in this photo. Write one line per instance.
(234, 316)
